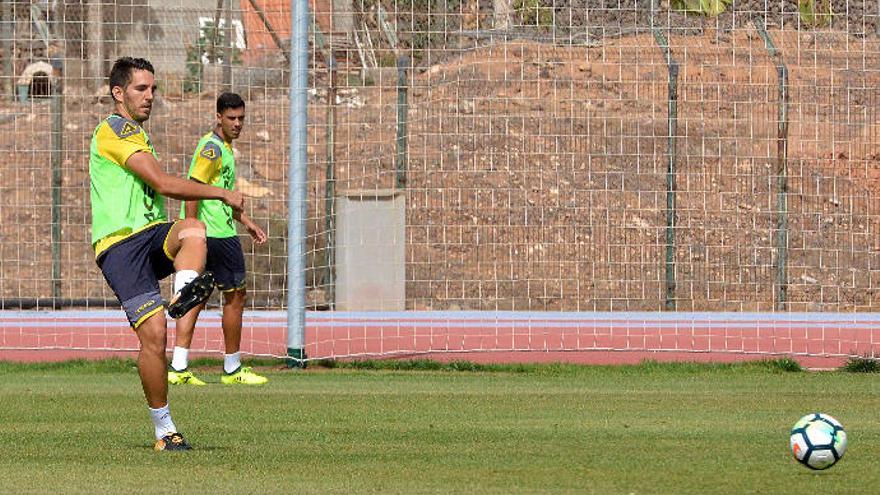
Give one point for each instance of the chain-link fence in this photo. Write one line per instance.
(553, 156)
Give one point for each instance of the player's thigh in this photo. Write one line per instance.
(161, 260)
(128, 270)
(235, 298)
(183, 229)
(226, 261)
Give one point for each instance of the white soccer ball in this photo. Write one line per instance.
(818, 441)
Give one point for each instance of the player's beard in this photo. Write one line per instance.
(146, 111)
(231, 134)
(140, 113)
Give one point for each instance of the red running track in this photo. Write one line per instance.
(816, 340)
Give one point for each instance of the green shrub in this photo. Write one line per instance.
(815, 13)
(709, 8)
(862, 365)
(533, 13)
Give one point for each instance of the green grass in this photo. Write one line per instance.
(649, 429)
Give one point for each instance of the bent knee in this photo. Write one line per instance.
(191, 228)
(153, 337)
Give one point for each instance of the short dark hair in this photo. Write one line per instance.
(229, 100)
(120, 74)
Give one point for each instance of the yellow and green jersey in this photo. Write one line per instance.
(213, 164)
(122, 203)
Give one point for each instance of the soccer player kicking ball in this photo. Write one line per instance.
(135, 246)
(213, 163)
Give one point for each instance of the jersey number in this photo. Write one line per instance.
(150, 203)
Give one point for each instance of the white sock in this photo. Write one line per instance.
(182, 278)
(231, 362)
(180, 358)
(162, 421)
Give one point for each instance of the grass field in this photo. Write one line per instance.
(647, 429)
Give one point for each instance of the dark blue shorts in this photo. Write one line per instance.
(226, 261)
(133, 269)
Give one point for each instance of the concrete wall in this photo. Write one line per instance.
(371, 254)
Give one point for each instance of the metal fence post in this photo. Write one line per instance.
(781, 227)
(403, 63)
(672, 126)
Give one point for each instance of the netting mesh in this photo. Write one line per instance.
(543, 155)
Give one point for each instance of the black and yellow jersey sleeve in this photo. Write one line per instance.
(207, 164)
(118, 139)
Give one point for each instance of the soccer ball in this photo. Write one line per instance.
(818, 441)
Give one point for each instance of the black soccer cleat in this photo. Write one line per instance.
(192, 294)
(172, 441)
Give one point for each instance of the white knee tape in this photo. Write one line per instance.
(191, 232)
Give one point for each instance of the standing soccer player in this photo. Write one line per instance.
(135, 246)
(213, 163)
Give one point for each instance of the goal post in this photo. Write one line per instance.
(298, 185)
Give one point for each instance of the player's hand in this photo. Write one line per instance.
(234, 199)
(256, 233)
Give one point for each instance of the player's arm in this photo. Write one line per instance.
(147, 168)
(258, 235)
(191, 208)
